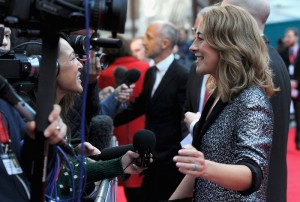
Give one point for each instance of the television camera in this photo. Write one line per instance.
(31, 17)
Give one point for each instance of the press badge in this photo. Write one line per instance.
(11, 164)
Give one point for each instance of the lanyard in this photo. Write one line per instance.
(4, 137)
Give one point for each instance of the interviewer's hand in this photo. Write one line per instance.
(128, 164)
(56, 131)
(123, 92)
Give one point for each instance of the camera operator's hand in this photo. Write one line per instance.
(123, 92)
(129, 167)
(56, 131)
(95, 67)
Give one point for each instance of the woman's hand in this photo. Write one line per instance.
(128, 163)
(190, 161)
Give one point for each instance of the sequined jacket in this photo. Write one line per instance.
(232, 133)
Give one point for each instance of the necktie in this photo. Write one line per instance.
(153, 78)
(291, 56)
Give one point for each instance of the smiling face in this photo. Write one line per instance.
(68, 79)
(207, 58)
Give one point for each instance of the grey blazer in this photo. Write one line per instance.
(234, 132)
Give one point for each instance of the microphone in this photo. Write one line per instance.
(131, 76)
(143, 142)
(100, 131)
(119, 75)
(9, 94)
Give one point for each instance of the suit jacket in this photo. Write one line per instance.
(164, 112)
(277, 183)
(193, 91)
(226, 136)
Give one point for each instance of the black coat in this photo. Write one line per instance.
(280, 101)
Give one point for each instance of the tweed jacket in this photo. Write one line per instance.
(234, 132)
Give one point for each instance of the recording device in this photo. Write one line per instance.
(64, 15)
(19, 67)
(143, 143)
(131, 76)
(21, 71)
(100, 131)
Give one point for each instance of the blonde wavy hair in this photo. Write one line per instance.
(244, 59)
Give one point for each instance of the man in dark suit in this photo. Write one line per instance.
(277, 182)
(291, 57)
(161, 100)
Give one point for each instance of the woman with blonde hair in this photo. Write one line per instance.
(229, 156)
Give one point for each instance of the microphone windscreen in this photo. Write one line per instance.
(119, 74)
(131, 76)
(144, 141)
(100, 131)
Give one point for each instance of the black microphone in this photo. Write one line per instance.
(144, 143)
(131, 76)
(8, 93)
(119, 75)
(101, 131)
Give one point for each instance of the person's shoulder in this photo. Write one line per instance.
(253, 95)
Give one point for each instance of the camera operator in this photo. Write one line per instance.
(13, 129)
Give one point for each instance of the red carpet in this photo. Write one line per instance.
(293, 160)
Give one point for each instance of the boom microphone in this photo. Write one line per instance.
(9, 94)
(100, 131)
(131, 76)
